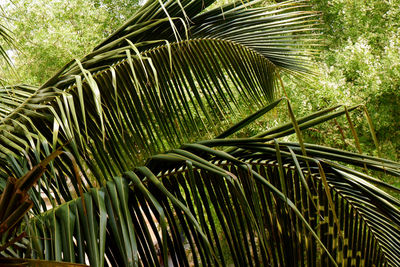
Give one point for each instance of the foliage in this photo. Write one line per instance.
(179, 71)
(145, 80)
(179, 201)
(15, 203)
(359, 64)
(203, 200)
(49, 33)
(6, 39)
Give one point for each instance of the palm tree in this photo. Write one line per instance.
(178, 72)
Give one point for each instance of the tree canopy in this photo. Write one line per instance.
(359, 63)
(48, 34)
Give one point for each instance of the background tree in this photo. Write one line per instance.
(359, 64)
(48, 34)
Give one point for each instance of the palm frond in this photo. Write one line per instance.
(145, 90)
(175, 72)
(280, 28)
(176, 208)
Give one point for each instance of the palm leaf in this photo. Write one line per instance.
(176, 209)
(180, 201)
(176, 72)
(139, 93)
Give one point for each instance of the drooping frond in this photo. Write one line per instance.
(175, 72)
(169, 75)
(256, 202)
(201, 206)
(287, 33)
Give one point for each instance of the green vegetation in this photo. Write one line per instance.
(360, 64)
(143, 152)
(48, 34)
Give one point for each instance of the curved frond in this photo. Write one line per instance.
(256, 202)
(145, 90)
(207, 207)
(287, 33)
(175, 72)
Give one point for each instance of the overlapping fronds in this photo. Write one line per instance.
(286, 39)
(164, 78)
(15, 203)
(258, 201)
(202, 206)
(176, 72)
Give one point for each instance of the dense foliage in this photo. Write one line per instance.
(360, 63)
(181, 72)
(48, 34)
